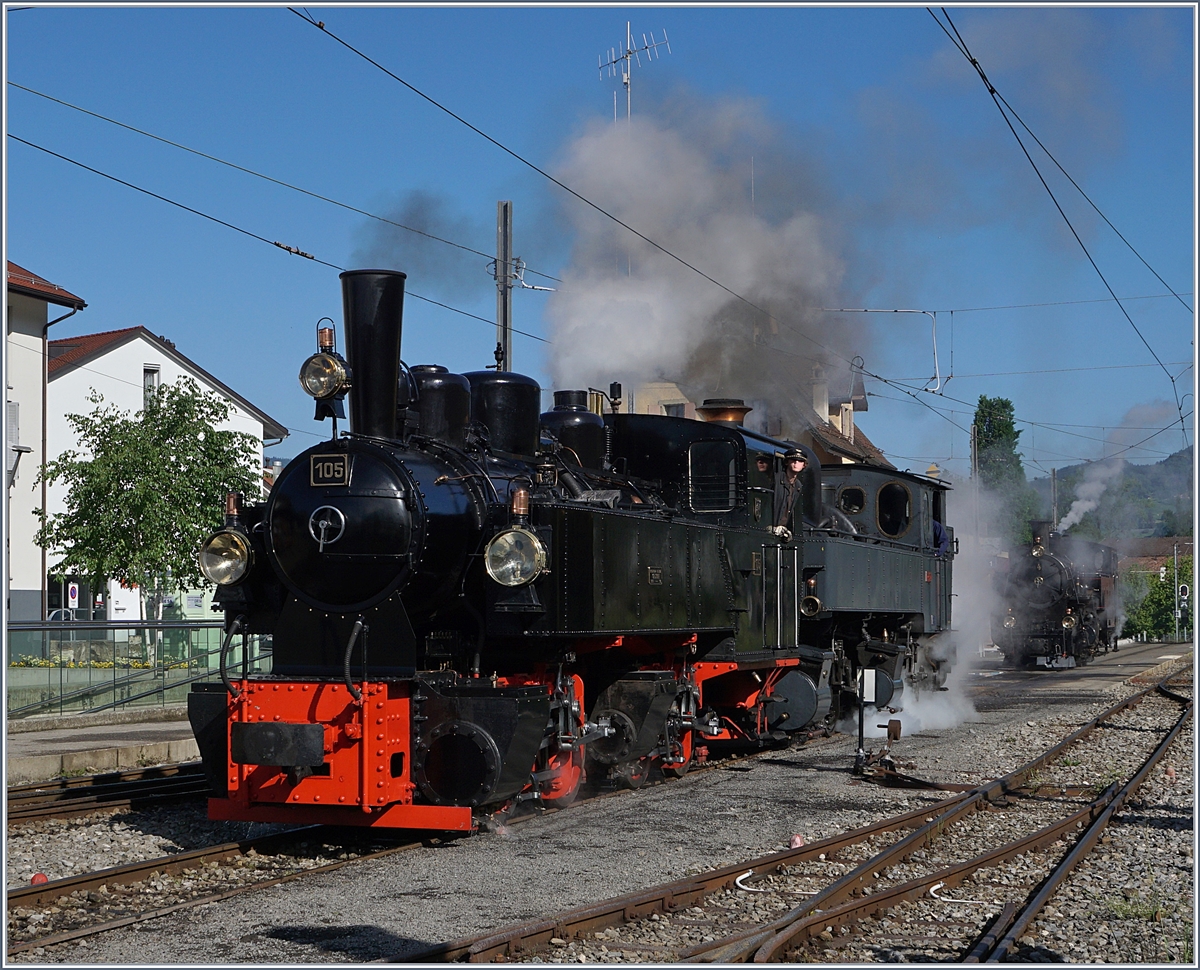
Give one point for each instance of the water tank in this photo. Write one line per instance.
(576, 427)
(507, 404)
(444, 403)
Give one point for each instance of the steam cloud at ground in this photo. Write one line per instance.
(974, 601)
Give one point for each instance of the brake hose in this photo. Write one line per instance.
(238, 623)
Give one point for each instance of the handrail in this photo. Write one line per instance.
(130, 677)
(54, 625)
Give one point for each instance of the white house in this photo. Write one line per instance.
(28, 321)
(122, 365)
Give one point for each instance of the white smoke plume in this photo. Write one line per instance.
(974, 602)
(1096, 479)
(627, 311)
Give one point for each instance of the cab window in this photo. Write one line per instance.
(712, 476)
(894, 509)
(852, 500)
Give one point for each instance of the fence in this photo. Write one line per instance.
(81, 666)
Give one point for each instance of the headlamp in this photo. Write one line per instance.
(323, 375)
(515, 557)
(1010, 622)
(1038, 551)
(1069, 622)
(225, 558)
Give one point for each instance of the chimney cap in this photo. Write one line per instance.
(728, 410)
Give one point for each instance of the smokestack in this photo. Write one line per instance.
(373, 305)
(729, 410)
(820, 393)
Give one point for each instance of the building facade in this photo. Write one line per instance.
(33, 305)
(124, 367)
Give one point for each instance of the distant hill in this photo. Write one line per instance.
(1139, 500)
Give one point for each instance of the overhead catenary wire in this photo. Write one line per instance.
(651, 242)
(1027, 306)
(1001, 106)
(269, 178)
(1056, 370)
(320, 25)
(254, 235)
(1057, 429)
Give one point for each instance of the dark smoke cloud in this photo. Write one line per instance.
(443, 270)
(680, 174)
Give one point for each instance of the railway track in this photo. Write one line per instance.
(98, 902)
(961, 880)
(93, 903)
(111, 791)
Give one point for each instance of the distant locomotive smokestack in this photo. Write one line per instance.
(731, 410)
(373, 305)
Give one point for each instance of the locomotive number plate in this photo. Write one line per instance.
(329, 469)
(655, 575)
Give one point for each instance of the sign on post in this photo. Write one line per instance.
(73, 595)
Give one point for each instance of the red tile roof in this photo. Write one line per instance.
(68, 353)
(69, 350)
(20, 280)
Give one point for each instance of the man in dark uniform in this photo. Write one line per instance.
(787, 494)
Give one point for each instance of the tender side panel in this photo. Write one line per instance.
(866, 577)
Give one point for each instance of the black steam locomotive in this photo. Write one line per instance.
(1058, 601)
(473, 604)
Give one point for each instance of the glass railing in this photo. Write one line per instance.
(87, 666)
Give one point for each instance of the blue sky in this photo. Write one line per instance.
(871, 136)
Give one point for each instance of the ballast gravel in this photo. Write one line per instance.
(391, 908)
(62, 847)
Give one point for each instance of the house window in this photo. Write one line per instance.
(149, 384)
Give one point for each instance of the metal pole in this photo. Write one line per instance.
(975, 478)
(860, 757)
(1053, 499)
(628, 74)
(504, 277)
(1176, 578)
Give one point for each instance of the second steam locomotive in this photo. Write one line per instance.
(474, 604)
(1059, 605)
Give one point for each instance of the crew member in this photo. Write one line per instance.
(941, 539)
(787, 494)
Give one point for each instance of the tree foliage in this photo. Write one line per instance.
(1013, 501)
(145, 490)
(996, 444)
(1154, 613)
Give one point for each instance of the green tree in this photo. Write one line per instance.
(1002, 479)
(1154, 613)
(145, 490)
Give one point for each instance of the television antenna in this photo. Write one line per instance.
(626, 59)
